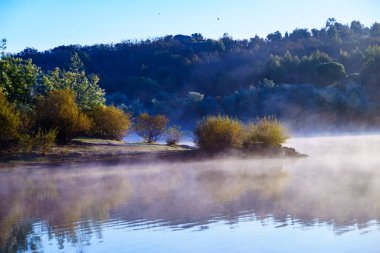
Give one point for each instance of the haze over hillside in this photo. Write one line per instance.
(330, 73)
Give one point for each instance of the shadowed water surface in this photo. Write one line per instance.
(328, 202)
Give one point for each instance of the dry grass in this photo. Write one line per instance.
(90, 150)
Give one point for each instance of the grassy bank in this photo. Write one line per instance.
(100, 151)
(91, 150)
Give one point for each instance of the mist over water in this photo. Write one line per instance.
(328, 202)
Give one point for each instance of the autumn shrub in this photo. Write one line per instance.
(173, 136)
(109, 122)
(9, 124)
(151, 128)
(28, 121)
(44, 141)
(58, 110)
(40, 141)
(215, 133)
(267, 131)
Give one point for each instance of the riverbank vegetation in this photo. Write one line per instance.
(173, 136)
(216, 133)
(41, 122)
(151, 128)
(37, 111)
(325, 78)
(267, 131)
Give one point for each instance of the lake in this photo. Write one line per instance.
(328, 202)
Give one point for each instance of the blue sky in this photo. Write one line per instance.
(44, 24)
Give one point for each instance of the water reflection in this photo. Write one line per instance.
(73, 206)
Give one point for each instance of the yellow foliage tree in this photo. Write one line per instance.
(9, 124)
(151, 128)
(109, 122)
(58, 110)
(267, 131)
(218, 133)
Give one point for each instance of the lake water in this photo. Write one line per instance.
(329, 202)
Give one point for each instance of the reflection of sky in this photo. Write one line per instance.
(246, 236)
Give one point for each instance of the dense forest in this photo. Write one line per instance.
(321, 79)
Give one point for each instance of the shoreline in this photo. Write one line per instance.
(87, 151)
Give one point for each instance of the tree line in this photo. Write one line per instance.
(325, 75)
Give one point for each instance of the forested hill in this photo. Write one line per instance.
(303, 76)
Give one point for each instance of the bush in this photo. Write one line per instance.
(151, 128)
(15, 127)
(28, 120)
(109, 122)
(173, 136)
(218, 133)
(41, 141)
(9, 124)
(59, 111)
(44, 141)
(267, 131)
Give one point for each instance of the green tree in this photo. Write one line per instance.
(321, 69)
(274, 37)
(370, 73)
(3, 46)
(17, 78)
(330, 22)
(357, 27)
(88, 93)
(299, 34)
(375, 30)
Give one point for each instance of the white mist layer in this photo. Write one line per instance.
(338, 184)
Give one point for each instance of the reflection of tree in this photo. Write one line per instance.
(69, 203)
(155, 184)
(72, 206)
(17, 239)
(225, 187)
(185, 195)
